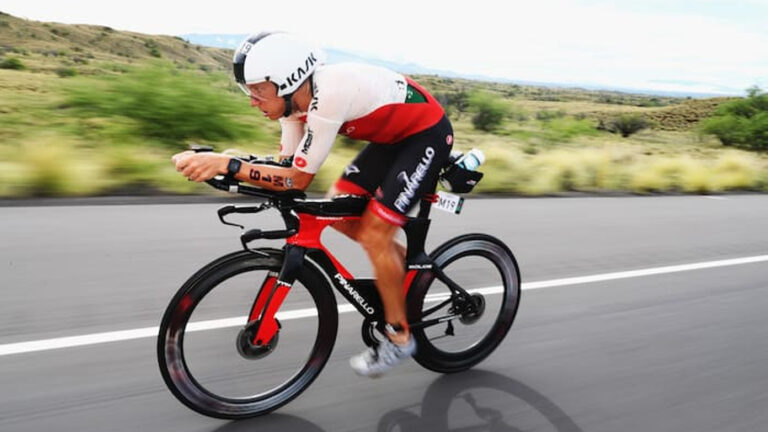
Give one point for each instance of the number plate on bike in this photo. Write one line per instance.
(448, 202)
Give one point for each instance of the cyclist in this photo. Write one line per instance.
(410, 140)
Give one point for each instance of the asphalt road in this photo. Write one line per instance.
(675, 351)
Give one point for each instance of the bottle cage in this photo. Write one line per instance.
(458, 179)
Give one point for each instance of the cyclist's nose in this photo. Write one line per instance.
(254, 103)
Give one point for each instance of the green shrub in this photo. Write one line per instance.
(547, 115)
(453, 101)
(567, 128)
(627, 124)
(60, 32)
(154, 50)
(489, 111)
(741, 123)
(65, 72)
(12, 63)
(165, 104)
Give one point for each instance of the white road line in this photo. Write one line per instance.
(98, 338)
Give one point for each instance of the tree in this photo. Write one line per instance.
(627, 124)
(742, 123)
(489, 111)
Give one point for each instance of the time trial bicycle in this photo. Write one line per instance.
(461, 300)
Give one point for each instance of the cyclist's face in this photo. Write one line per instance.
(264, 97)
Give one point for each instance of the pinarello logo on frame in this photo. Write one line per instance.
(300, 162)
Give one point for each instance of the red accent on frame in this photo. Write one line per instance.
(430, 197)
(269, 326)
(347, 186)
(408, 280)
(261, 300)
(310, 229)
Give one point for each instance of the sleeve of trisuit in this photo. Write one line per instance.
(314, 147)
(292, 132)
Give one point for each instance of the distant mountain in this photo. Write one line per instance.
(336, 56)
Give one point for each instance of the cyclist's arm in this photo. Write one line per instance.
(292, 130)
(200, 167)
(310, 153)
(274, 177)
(316, 143)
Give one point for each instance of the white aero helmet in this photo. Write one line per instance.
(276, 57)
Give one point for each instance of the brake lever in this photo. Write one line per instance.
(229, 209)
(225, 211)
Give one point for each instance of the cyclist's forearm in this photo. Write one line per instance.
(273, 177)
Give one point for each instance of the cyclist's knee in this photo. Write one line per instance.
(373, 241)
(375, 234)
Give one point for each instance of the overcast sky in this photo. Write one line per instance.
(712, 46)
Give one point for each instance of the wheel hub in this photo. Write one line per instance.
(474, 309)
(254, 351)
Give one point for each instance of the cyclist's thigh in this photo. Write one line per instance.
(416, 167)
(367, 170)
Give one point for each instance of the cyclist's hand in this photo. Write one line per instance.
(200, 167)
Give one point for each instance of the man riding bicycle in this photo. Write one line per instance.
(410, 141)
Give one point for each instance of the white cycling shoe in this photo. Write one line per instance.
(375, 361)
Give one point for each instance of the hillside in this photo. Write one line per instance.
(48, 47)
(89, 110)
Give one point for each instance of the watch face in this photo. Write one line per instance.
(234, 166)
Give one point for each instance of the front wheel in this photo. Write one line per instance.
(204, 350)
(452, 332)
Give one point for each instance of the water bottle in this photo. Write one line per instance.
(473, 159)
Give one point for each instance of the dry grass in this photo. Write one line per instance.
(44, 150)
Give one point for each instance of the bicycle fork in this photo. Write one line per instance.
(271, 295)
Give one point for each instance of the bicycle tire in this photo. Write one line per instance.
(433, 357)
(170, 343)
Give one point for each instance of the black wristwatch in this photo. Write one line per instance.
(234, 167)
